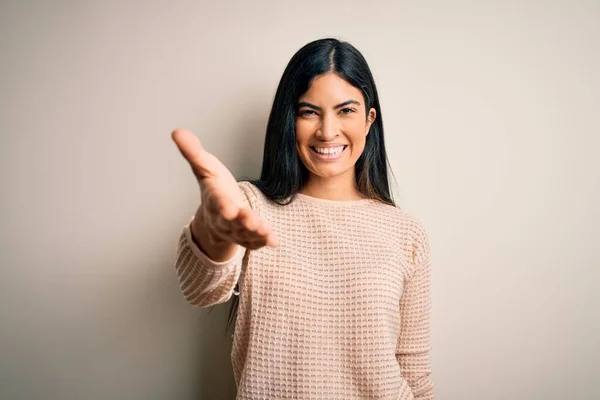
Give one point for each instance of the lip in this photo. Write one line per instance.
(328, 157)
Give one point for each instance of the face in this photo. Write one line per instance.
(331, 126)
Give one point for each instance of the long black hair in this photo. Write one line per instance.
(283, 173)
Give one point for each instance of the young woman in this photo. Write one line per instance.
(333, 278)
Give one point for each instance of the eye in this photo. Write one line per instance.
(306, 112)
(347, 110)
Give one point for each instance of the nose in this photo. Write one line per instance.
(329, 127)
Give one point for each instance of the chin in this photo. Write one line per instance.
(330, 172)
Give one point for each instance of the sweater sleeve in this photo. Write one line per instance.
(414, 342)
(205, 282)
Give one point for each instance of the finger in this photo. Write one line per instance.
(201, 161)
(244, 229)
(249, 220)
(253, 241)
(189, 145)
(263, 229)
(254, 244)
(272, 241)
(249, 235)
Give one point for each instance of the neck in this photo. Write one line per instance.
(340, 187)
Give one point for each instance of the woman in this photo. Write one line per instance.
(333, 278)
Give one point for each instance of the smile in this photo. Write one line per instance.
(328, 154)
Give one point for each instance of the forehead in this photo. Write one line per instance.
(330, 88)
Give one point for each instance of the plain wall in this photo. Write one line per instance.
(492, 129)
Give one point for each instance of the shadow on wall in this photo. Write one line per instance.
(215, 374)
(243, 156)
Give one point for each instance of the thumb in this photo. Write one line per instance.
(193, 151)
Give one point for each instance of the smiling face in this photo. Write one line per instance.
(331, 128)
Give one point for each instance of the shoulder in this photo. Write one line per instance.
(247, 187)
(253, 196)
(412, 234)
(420, 239)
(408, 227)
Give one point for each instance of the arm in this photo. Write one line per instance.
(209, 260)
(414, 345)
(205, 281)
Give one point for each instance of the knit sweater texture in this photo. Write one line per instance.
(339, 310)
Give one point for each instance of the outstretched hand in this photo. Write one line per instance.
(222, 208)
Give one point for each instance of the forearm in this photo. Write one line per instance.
(417, 372)
(414, 341)
(203, 281)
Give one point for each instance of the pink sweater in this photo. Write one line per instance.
(340, 310)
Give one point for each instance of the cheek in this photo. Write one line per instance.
(358, 147)
(356, 134)
(303, 129)
(303, 135)
(301, 140)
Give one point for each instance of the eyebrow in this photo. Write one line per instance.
(310, 105)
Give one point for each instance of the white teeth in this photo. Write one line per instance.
(329, 150)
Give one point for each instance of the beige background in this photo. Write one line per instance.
(492, 125)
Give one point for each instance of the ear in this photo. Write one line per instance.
(370, 119)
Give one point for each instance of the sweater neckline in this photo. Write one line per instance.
(332, 202)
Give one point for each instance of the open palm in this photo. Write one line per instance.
(222, 207)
